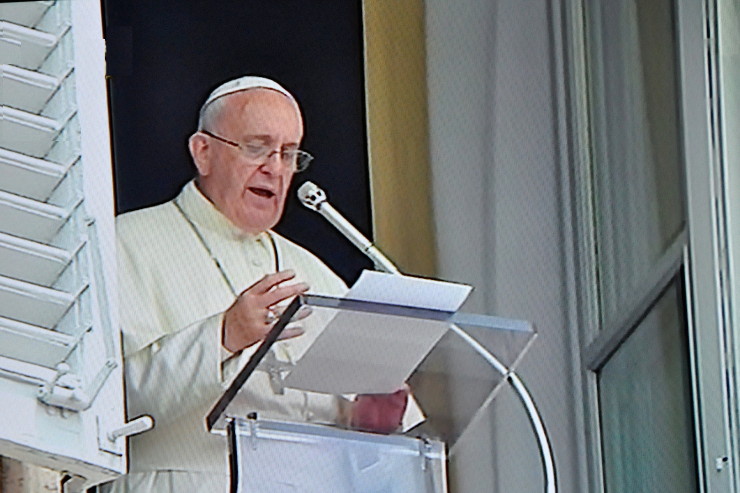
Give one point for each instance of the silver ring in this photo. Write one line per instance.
(270, 316)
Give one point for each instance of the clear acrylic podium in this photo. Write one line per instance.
(453, 362)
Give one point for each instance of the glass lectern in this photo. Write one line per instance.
(454, 364)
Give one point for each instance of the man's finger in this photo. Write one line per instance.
(303, 312)
(291, 332)
(283, 293)
(270, 281)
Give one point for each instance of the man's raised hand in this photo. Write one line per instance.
(249, 319)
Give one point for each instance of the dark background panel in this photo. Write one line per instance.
(165, 56)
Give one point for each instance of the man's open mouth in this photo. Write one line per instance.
(262, 192)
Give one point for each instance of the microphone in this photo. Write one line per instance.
(314, 198)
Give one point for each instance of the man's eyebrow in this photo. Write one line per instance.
(267, 139)
(262, 138)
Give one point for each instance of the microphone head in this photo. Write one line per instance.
(311, 195)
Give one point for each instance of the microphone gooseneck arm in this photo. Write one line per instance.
(314, 198)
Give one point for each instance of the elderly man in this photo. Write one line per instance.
(201, 279)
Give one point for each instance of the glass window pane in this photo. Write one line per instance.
(646, 410)
(636, 141)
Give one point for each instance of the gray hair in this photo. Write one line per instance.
(210, 113)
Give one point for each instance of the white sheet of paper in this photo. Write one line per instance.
(367, 353)
(409, 291)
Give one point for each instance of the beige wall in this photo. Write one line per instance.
(395, 65)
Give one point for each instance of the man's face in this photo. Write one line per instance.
(250, 194)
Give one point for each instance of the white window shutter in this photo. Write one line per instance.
(61, 383)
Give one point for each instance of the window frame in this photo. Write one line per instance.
(697, 247)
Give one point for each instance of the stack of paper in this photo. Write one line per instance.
(376, 353)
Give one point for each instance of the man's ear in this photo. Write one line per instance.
(201, 153)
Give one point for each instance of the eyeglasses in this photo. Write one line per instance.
(295, 159)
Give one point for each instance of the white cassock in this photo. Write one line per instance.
(173, 296)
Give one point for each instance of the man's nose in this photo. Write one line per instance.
(274, 161)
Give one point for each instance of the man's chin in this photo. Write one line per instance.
(258, 223)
